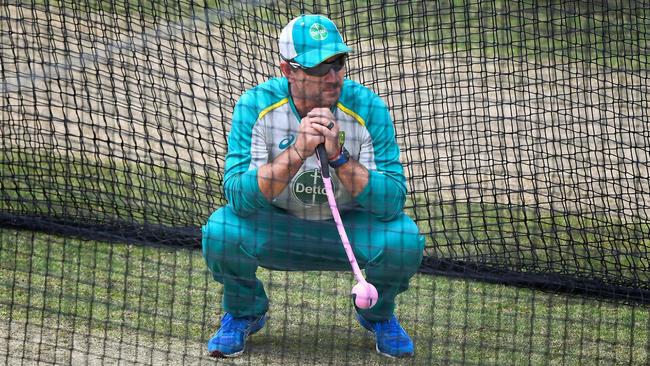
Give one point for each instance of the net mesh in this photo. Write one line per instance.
(523, 128)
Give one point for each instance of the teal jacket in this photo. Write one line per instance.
(265, 123)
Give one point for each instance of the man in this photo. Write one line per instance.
(277, 214)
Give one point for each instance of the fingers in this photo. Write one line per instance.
(321, 112)
(319, 126)
(322, 121)
(309, 137)
(330, 134)
(331, 138)
(322, 116)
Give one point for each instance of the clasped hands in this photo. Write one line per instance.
(317, 127)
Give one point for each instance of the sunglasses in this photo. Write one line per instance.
(323, 68)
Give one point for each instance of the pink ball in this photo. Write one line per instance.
(364, 295)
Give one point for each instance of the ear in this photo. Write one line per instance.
(287, 71)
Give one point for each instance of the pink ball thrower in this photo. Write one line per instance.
(363, 293)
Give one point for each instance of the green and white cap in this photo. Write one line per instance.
(310, 40)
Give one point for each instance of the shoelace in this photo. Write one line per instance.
(237, 324)
(392, 329)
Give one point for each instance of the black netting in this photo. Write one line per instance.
(523, 127)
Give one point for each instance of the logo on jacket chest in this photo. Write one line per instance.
(309, 189)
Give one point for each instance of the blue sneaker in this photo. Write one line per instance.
(391, 338)
(230, 339)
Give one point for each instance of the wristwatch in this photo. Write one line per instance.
(343, 158)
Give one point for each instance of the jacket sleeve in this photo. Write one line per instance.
(385, 193)
(246, 152)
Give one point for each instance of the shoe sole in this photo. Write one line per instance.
(218, 354)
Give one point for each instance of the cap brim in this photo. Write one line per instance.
(315, 57)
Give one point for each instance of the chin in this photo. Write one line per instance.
(328, 103)
(329, 99)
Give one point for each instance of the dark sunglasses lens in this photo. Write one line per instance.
(319, 70)
(323, 68)
(339, 63)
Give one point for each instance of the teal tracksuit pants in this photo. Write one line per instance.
(234, 247)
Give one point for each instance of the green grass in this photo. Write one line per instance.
(608, 247)
(131, 294)
(549, 31)
(60, 183)
(561, 32)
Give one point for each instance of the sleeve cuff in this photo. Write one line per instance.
(251, 188)
(381, 196)
(363, 198)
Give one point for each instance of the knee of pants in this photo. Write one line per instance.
(220, 236)
(403, 247)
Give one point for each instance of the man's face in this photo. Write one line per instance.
(319, 91)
